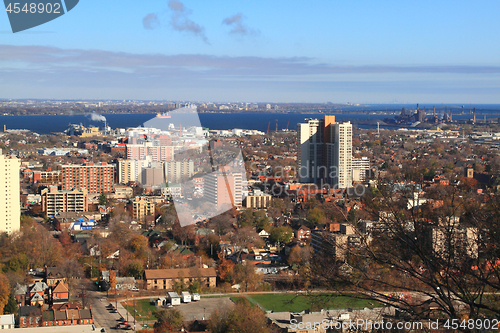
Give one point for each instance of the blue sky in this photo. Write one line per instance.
(262, 51)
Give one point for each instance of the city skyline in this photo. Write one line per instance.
(261, 51)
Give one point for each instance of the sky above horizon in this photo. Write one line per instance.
(259, 51)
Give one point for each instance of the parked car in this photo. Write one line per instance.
(134, 289)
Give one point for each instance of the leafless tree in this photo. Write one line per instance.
(437, 259)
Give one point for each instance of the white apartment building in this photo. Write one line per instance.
(359, 168)
(339, 155)
(10, 203)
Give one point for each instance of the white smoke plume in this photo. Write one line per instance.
(97, 117)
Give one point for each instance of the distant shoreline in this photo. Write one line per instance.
(366, 112)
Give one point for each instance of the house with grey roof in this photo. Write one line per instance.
(36, 299)
(19, 292)
(38, 288)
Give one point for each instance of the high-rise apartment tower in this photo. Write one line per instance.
(325, 152)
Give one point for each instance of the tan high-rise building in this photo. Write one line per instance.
(10, 207)
(142, 207)
(176, 171)
(223, 189)
(55, 201)
(325, 152)
(131, 170)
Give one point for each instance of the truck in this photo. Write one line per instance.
(196, 297)
(186, 297)
(173, 298)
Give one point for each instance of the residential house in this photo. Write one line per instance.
(61, 318)
(155, 239)
(183, 252)
(36, 299)
(67, 314)
(86, 317)
(60, 293)
(166, 278)
(202, 233)
(37, 292)
(30, 316)
(53, 275)
(65, 317)
(303, 234)
(263, 234)
(37, 275)
(19, 293)
(65, 306)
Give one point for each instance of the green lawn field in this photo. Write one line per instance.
(312, 302)
(144, 310)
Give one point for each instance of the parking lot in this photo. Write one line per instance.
(203, 308)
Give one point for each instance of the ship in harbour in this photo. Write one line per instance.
(163, 115)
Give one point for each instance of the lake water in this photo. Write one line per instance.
(259, 121)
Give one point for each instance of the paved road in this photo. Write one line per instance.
(103, 317)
